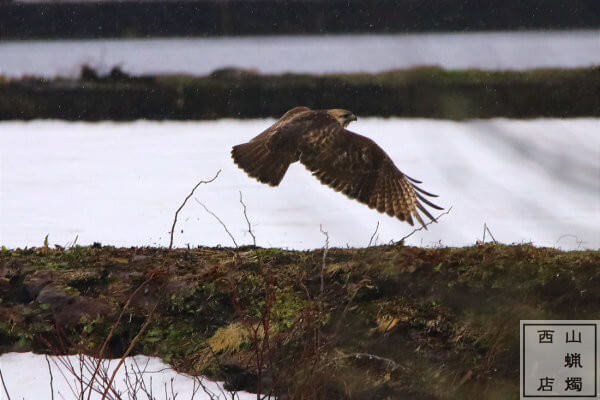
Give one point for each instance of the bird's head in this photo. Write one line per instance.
(344, 117)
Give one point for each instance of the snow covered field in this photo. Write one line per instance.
(27, 376)
(309, 54)
(120, 184)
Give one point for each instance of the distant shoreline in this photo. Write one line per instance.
(427, 92)
(304, 54)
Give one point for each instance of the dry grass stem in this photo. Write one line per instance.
(247, 220)
(486, 228)
(373, 236)
(4, 385)
(220, 221)
(51, 377)
(325, 251)
(129, 348)
(112, 332)
(183, 204)
(423, 227)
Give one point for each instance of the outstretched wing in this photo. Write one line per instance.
(268, 156)
(359, 168)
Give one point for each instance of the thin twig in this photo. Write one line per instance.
(373, 235)
(248, 221)
(206, 390)
(487, 228)
(131, 345)
(70, 245)
(194, 389)
(325, 251)
(423, 227)
(111, 333)
(81, 363)
(183, 204)
(173, 394)
(577, 240)
(69, 369)
(218, 219)
(51, 377)
(139, 374)
(4, 385)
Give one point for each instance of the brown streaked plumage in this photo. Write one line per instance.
(345, 161)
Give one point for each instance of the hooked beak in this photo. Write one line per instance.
(353, 118)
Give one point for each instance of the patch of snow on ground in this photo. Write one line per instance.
(27, 376)
(120, 184)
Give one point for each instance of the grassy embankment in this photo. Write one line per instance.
(426, 92)
(388, 322)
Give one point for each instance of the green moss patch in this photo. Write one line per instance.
(389, 321)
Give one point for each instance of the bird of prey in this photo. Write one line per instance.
(343, 160)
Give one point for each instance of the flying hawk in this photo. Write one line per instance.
(344, 160)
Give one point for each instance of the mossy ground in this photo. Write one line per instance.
(389, 321)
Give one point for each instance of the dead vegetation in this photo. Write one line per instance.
(379, 322)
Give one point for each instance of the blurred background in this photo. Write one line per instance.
(495, 106)
(28, 19)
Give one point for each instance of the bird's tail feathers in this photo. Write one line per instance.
(260, 163)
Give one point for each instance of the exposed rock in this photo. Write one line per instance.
(35, 282)
(238, 377)
(70, 312)
(52, 294)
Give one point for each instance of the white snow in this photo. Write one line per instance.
(305, 54)
(27, 376)
(120, 184)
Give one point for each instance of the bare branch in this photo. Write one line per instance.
(248, 221)
(486, 228)
(173, 393)
(4, 385)
(483, 235)
(72, 244)
(423, 227)
(112, 332)
(51, 377)
(373, 235)
(81, 364)
(577, 240)
(183, 204)
(131, 346)
(218, 219)
(99, 381)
